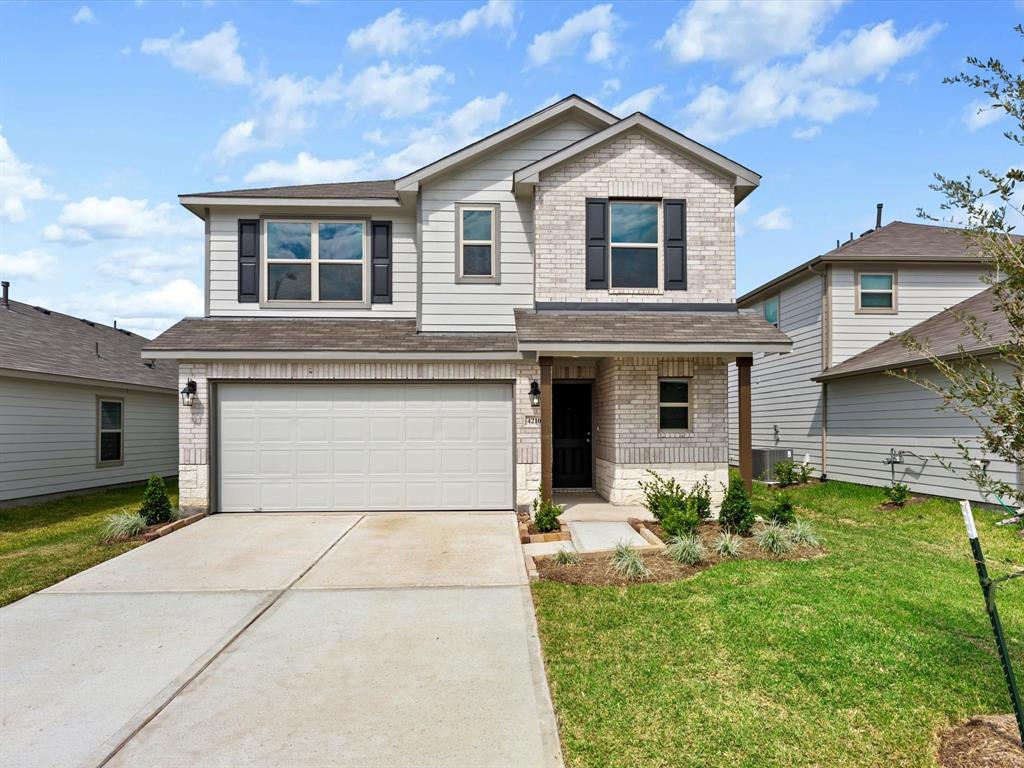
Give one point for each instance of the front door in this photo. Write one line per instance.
(571, 435)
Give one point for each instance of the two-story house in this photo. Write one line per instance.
(551, 305)
(830, 401)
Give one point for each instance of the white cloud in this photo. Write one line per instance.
(214, 57)
(396, 92)
(33, 264)
(818, 88)
(149, 266)
(979, 114)
(746, 31)
(598, 24)
(807, 133)
(639, 102)
(393, 34)
(116, 218)
(376, 136)
(18, 183)
(306, 169)
(84, 15)
(775, 219)
(145, 312)
(608, 87)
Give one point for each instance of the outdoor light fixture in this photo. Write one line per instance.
(188, 393)
(534, 394)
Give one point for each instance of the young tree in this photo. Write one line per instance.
(971, 384)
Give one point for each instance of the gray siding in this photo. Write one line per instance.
(782, 393)
(48, 437)
(872, 413)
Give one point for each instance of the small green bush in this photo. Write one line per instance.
(156, 507)
(782, 510)
(685, 550)
(680, 519)
(804, 472)
(736, 515)
(898, 494)
(785, 473)
(545, 514)
(566, 557)
(727, 545)
(661, 494)
(774, 539)
(123, 525)
(700, 497)
(802, 532)
(629, 564)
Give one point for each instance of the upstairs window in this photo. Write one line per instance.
(770, 308)
(876, 292)
(633, 232)
(316, 261)
(673, 404)
(109, 431)
(477, 255)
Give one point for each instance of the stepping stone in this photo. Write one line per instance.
(589, 536)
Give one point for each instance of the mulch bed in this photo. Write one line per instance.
(991, 741)
(596, 570)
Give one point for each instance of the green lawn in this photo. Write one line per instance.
(855, 659)
(41, 544)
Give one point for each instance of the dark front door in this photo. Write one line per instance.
(570, 436)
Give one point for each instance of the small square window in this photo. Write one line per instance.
(771, 310)
(674, 404)
(876, 292)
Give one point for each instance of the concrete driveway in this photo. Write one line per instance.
(285, 640)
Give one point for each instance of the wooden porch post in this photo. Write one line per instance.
(546, 464)
(746, 453)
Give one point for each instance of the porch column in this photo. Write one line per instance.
(746, 454)
(546, 451)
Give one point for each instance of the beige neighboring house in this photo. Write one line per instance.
(79, 407)
(553, 303)
(830, 400)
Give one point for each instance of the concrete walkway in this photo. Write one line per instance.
(285, 640)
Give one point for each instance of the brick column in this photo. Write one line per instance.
(746, 452)
(546, 452)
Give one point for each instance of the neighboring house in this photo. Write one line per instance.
(830, 400)
(79, 408)
(553, 304)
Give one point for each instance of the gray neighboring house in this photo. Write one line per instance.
(830, 400)
(79, 408)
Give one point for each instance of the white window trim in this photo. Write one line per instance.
(494, 278)
(100, 400)
(687, 405)
(778, 310)
(314, 263)
(861, 310)
(655, 246)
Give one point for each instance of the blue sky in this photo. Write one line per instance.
(108, 111)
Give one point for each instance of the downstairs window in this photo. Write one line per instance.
(673, 404)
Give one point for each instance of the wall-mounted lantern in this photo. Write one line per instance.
(188, 393)
(534, 394)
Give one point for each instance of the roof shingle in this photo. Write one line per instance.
(384, 190)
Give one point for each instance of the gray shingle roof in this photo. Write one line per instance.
(384, 190)
(300, 334)
(943, 333)
(662, 327)
(42, 341)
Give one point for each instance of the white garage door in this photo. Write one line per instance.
(366, 446)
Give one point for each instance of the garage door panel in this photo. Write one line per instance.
(365, 446)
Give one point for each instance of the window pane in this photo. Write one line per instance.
(883, 300)
(675, 392)
(110, 446)
(675, 418)
(476, 260)
(876, 282)
(288, 241)
(288, 281)
(341, 282)
(634, 268)
(634, 223)
(476, 225)
(341, 242)
(110, 415)
(771, 311)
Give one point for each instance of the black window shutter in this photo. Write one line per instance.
(380, 262)
(675, 245)
(597, 243)
(248, 260)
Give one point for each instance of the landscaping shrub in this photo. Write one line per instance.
(156, 507)
(661, 494)
(685, 550)
(545, 514)
(774, 539)
(727, 545)
(566, 557)
(680, 518)
(629, 564)
(677, 510)
(898, 494)
(802, 532)
(700, 497)
(736, 515)
(804, 472)
(785, 473)
(782, 510)
(123, 525)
